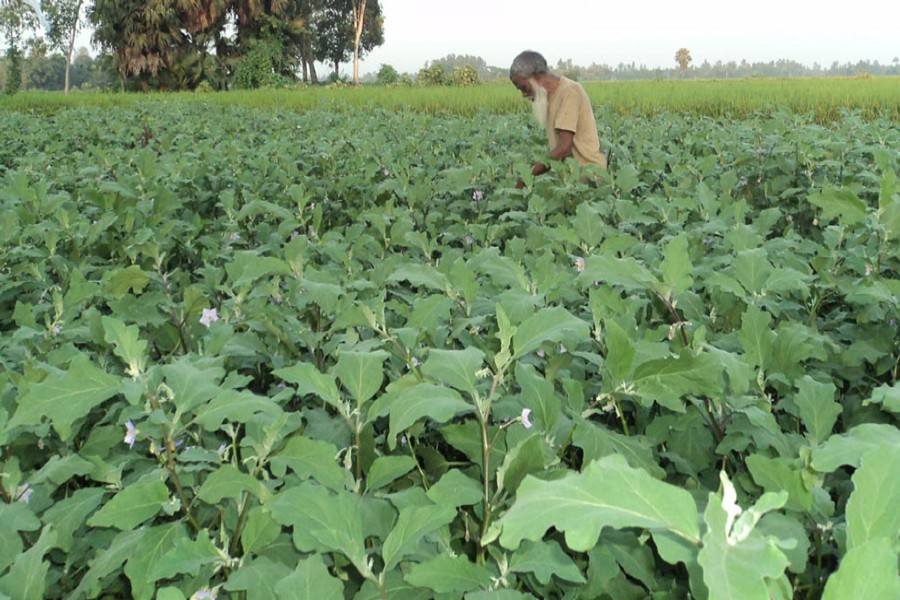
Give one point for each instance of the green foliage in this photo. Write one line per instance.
(387, 75)
(465, 76)
(433, 75)
(13, 70)
(261, 66)
(280, 353)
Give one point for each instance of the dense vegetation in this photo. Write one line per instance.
(335, 354)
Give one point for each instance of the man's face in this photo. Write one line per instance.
(524, 85)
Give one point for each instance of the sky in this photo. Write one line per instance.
(626, 31)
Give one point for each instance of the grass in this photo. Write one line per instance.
(824, 98)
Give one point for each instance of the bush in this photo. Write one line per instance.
(387, 75)
(465, 76)
(433, 75)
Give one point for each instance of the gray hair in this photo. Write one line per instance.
(528, 64)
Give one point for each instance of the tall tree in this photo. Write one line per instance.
(17, 17)
(64, 20)
(683, 58)
(339, 34)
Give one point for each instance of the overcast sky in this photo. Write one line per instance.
(626, 31)
(611, 32)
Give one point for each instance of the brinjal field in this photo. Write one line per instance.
(334, 353)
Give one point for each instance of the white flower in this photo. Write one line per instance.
(130, 433)
(204, 594)
(23, 493)
(477, 195)
(579, 264)
(210, 316)
(526, 423)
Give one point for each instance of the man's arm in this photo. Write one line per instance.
(562, 151)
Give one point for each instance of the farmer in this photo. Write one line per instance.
(562, 107)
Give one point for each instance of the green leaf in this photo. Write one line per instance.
(447, 574)
(456, 368)
(310, 581)
(868, 570)
(27, 578)
(668, 380)
(841, 203)
(258, 578)
(888, 397)
(456, 489)
(619, 350)
(597, 441)
(736, 566)
(361, 373)
(525, 458)
(323, 521)
(538, 395)
(414, 523)
(259, 531)
(776, 474)
(547, 325)
(130, 278)
(185, 556)
(314, 459)
(501, 594)
(107, 561)
(676, 265)
(420, 276)
(68, 515)
(849, 448)
(626, 272)
(872, 510)
(237, 406)
(132, 506)
(436, 402)
(608, 493)
(428, 313)
(386, 469)
(248, 266)
(756, 336)
(155, 542)
(193, 382)
(752, 269)
(230, 482)
(127, 344)
(818, 408)
(65, 399)
(544, 560)
(309, 380)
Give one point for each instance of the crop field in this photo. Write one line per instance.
(249, 351)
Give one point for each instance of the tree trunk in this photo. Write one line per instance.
(359, 17)
(72, 44)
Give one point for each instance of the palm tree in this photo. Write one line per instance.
(683, 58)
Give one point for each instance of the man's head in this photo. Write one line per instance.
(528, 73)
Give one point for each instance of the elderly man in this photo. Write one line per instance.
(563, 109)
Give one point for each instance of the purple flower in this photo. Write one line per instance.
(526, 423)
(477, 195)
(204, 594)
(130, 433)
(469, 240)
(210, 316)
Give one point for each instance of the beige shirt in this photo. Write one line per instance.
(570, 110)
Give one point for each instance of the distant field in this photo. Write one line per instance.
(825, 98)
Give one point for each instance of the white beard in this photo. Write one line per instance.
(540, 104)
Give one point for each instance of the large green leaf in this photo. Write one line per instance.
(757, 336)
(456, 368)
(142, 560)
(547, 325)
(668, 380)
(361, 373)
(229, 482)
(872, 510)
(310, 458)
(310, 581)
(850, 447)
(68, 515)
(108, 561)
(132, 506)
(66, 398)
(27, 578)
(386, 469)
(868, 570)
(436, 402)
(840, 203)
(818, 408)
(127, 344)
(544, 560)
(414, 523)
(676, 265)
(447, 574)
(309, 380)
(737, 561)
(421, 276)
(258, 578)
(608, 493)
(185, 556)
(626, 272)
(237, 406)
(323, 521)
(193, 382)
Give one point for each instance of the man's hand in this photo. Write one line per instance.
(539, 169)
(565, 142)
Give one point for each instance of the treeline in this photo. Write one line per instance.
(187, 44)
(726, 70)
